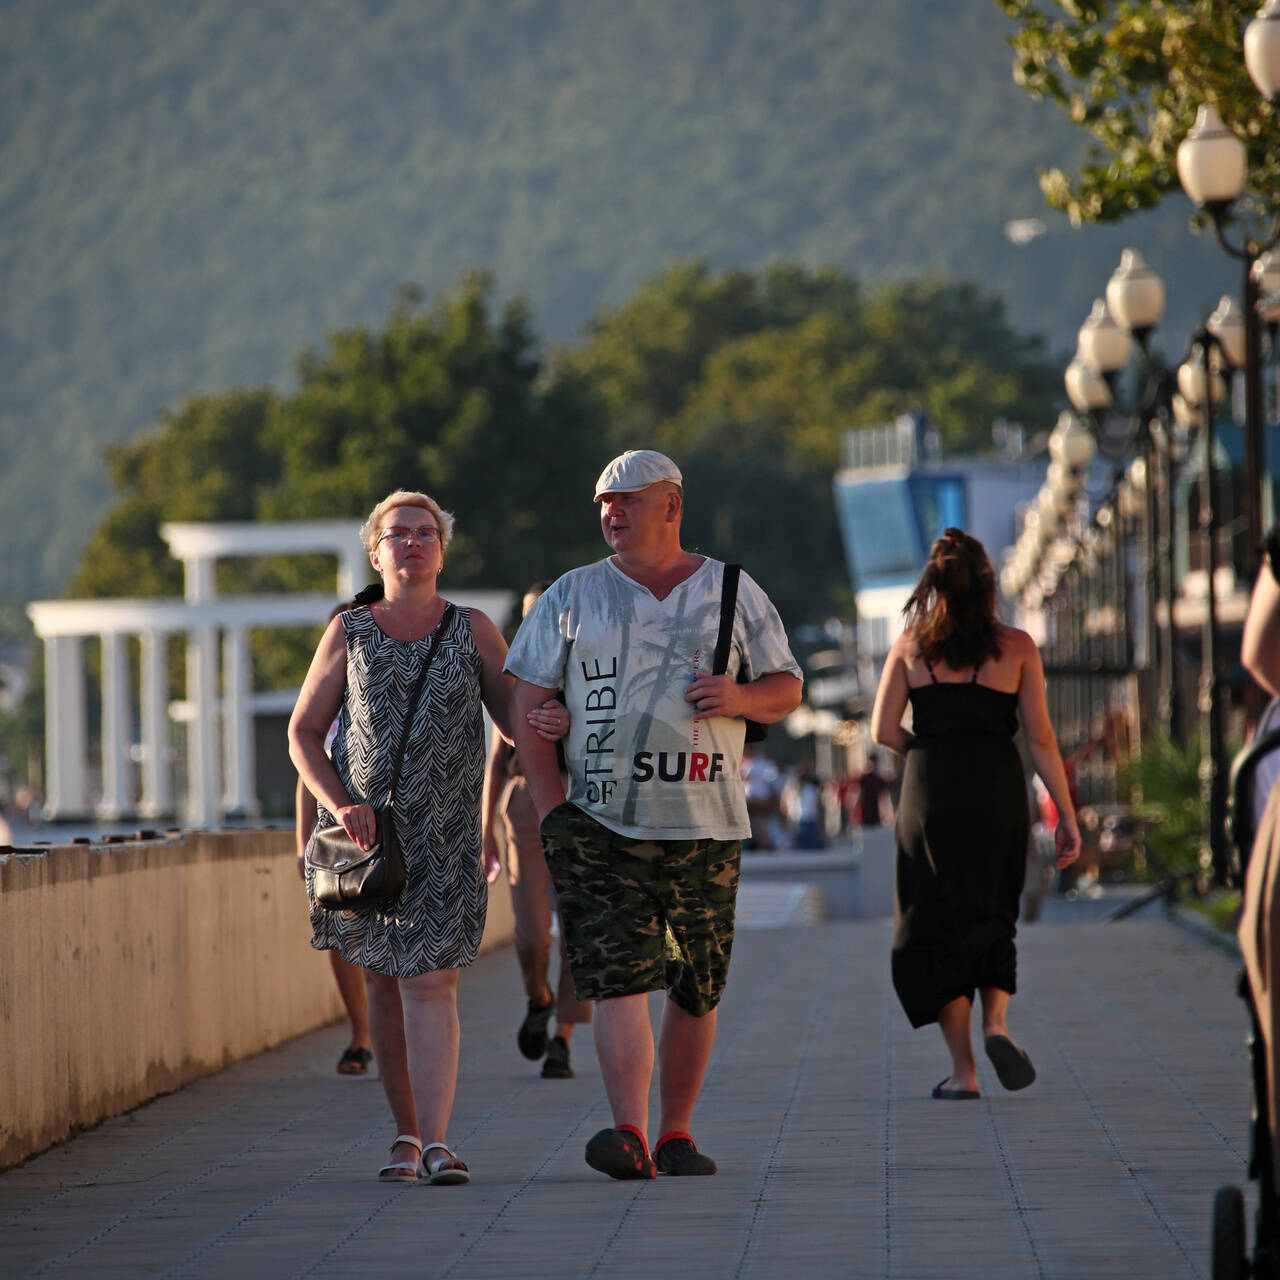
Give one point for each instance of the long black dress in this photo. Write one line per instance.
(962, 830)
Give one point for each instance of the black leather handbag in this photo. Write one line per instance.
(756, 732)
(346, 877)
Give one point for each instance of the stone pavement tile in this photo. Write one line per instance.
(835, 1162)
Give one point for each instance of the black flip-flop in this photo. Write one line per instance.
(1013, 1067)
(954, 1095)
(354, 1062)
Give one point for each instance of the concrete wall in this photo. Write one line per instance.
(127, 970)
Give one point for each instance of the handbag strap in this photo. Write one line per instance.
(728, 606)
(414, 697)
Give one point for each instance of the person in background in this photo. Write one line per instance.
(349, 978)
(872, 806)
(507, 806)
(802, 802)
(761, 780)
(963, 820)
(1260, 643)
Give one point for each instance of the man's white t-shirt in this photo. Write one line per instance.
(638, 763)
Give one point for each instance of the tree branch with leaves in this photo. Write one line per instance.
(1133, 75)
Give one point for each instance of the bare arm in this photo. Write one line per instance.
(316, 707)
(1043, 745)
(1260, 644)
(537, 754)
(891, 703)
(304, 818)
(495, 777)
(495, 686)
(767, 700)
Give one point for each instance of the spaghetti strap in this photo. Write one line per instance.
(929, 668)
(973, 679)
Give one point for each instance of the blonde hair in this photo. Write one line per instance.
(404, 498)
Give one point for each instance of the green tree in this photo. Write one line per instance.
(1132, 73)
(750, 381)
(207, 460)
(456, 402)
(448, 398)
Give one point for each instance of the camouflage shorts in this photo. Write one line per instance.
(643, 915)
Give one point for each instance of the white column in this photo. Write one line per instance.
(202, 729)
(65, 793)
(197, 578)
(153, 702)
(239, 794)
(115, 802)
(350, 569)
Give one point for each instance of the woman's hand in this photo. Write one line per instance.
(359, 823)
(490, 857)
(1066, 838)
(550, 720)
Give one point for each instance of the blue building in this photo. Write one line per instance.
(895, 495)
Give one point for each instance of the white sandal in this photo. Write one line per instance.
(444, 1170)
(404, 1170)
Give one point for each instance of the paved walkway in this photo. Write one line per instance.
(835, 1162)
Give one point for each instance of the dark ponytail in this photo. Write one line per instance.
(952, 611)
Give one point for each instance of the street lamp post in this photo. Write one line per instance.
(1201, 385)
(1212, 168)
(1135, 299)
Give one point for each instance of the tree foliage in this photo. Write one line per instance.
(1133, 73)
(750, 381)
(190, 192)
(747, 380)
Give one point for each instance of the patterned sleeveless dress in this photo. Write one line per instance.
(438, 919)
(962, 830)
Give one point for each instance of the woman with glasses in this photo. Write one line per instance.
(412, 948)
(962, 822)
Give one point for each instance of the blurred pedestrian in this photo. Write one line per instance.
(963, 820)
(510, 821)
(349, 978)
(802, 803)
(872, 806)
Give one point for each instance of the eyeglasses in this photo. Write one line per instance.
(400, 534)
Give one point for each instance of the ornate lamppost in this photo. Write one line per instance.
(1212, 167)
(1202, 386)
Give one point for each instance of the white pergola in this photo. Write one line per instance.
(218, 782)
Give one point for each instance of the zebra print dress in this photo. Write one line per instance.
(437, 920)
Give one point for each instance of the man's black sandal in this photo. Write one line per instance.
(621, 1153)
(678, 1157)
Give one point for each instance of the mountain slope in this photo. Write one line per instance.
(190, 193)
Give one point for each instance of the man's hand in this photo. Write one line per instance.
(715, 696)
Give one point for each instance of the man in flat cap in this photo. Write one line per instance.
(644, 851)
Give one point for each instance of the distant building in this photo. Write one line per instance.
(895, 495)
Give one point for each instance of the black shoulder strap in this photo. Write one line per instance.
(728, 607)
(445, 619)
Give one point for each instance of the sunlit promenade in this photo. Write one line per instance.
(834, 1160)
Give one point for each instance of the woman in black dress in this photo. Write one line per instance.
(962, 817)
